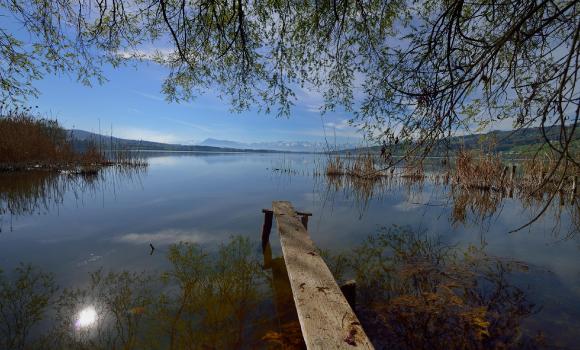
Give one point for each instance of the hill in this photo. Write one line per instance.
(81, 139)
(520, 142)
(285, 146)
(525, 141)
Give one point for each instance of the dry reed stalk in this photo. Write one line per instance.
(335, 166)
(485, 172)
(364, 166)
(413, 171)
(27, 142)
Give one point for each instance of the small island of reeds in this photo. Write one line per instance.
(33, 143)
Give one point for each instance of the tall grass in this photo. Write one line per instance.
(26, 141)
(335, 166)
(363, 165)
(479, 170)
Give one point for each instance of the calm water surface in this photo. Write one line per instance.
(207, 199)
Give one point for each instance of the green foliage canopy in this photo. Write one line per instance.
(407, 70)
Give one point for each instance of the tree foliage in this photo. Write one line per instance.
(408, 70)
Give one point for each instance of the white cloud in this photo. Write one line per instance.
(149, 96)
(309, 99)
(147, 53)
(146, 135)
(313, 108)
(339, 125)
(164, 237)
(195, 126)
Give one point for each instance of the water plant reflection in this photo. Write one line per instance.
(475, 187)
(29, 192)
(203, 301)
(24, 299)
(414, 292)
(38, 191)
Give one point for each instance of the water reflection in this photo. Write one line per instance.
(416, 292)
(205, 300)
(289, 335)
(86, 318)
(413, 292)
(29, 192)
(111, 221)
(475, 205)
(33, 192)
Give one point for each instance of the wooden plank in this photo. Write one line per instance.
(326, 319)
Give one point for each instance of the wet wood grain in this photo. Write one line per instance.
(326, 319)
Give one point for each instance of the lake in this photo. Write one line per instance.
(71, 227)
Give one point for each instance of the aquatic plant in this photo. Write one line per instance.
(481, 170)
(335, 166)
(413, 292)
(30, 142)
(416, 292)
(110, 313)
(27, 141)
(24, 301)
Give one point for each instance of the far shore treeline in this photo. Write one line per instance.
(27, 141)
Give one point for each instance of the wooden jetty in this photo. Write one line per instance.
(326, 318)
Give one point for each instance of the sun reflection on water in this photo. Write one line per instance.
(86, 318)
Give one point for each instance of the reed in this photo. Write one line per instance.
(544, 171)
(365, 166)
(24, 139)
(29, 142)
(413, 171)
(479, 170)
(335, 166)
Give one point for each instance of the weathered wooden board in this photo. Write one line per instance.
(326, 319)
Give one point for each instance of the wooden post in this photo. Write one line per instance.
(573, 192)
(267, 251)
(349, 291)
(304, 218)
(513, 174)
(305, 221)
(267, 227)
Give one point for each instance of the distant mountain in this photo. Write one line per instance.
(222, 143)
(520, 141)
(82, 139)
(286, 146)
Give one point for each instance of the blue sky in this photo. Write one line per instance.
(133, 104)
